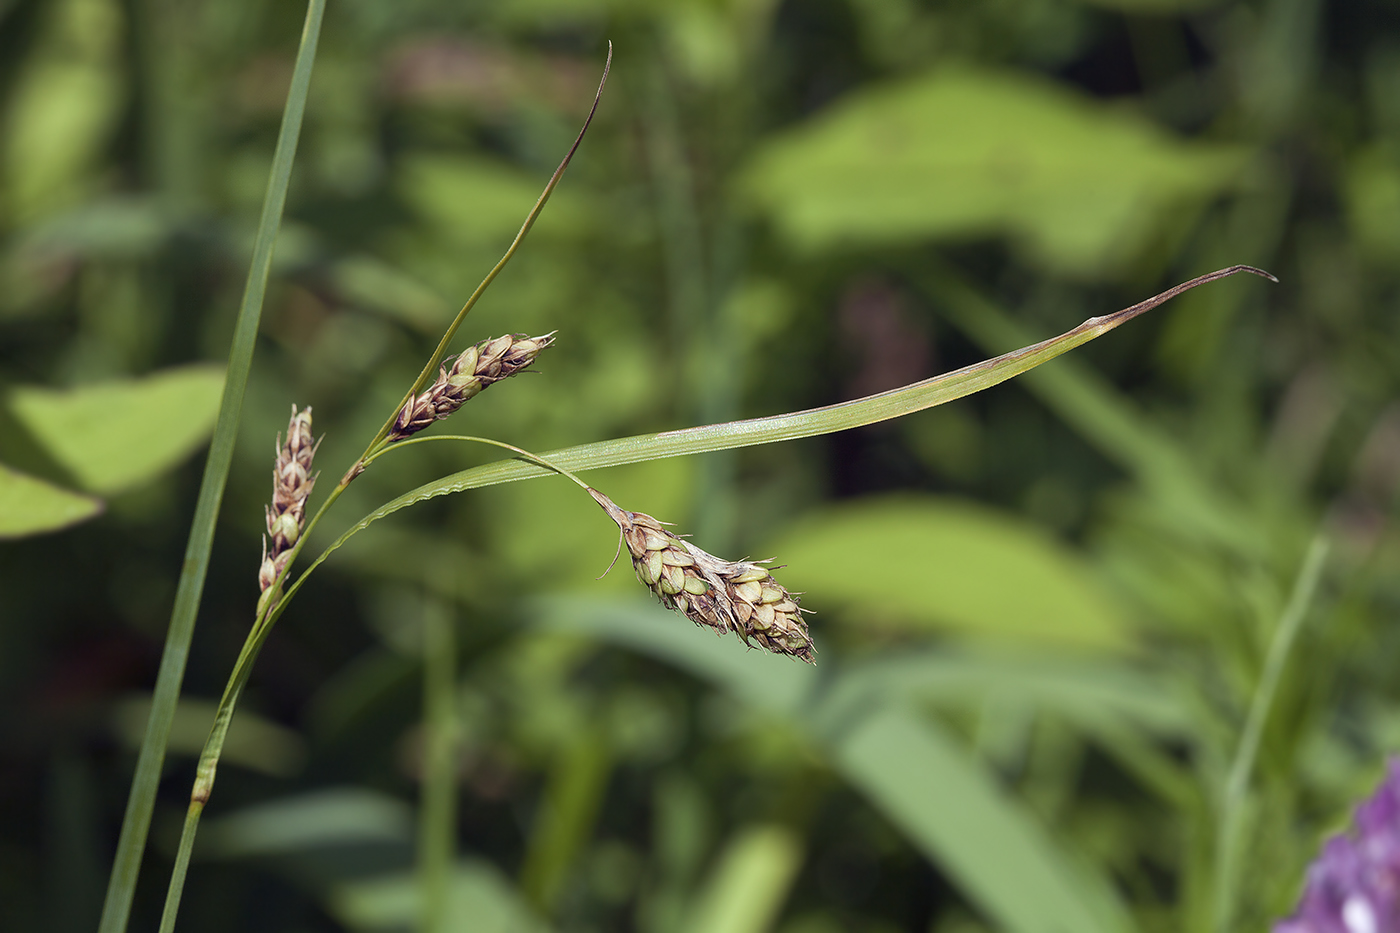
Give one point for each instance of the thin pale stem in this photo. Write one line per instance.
(519, 451)
(199, 796)
(1246, 752)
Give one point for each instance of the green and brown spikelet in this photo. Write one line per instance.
(475, 369)
(738, 596)
(291, 485)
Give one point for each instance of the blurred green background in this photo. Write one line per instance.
(1042, 612)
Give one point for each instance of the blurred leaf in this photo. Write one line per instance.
(253, 742)
(120, 227)
(747, 889)
(931, 791)
(1088, 693)
(479, 200)
(30, 506)
(999, 856)
(1154, 7)
(1373, 201)
(381, 287)
(481, 901)
(335, 816)
(965, 153)
(923, 562)
(65, 106)
(113, 435)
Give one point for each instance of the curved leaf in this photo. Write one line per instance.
(113, 435)
(880, 407)
(30, 506)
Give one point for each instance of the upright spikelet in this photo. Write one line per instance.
(738, 596)
(475, 369)
(291, 485)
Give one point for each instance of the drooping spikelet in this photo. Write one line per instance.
(291, 485)
(475, 369)
(738, 596)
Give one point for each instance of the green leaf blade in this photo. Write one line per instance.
(113, 435)
(30, 506)
(1084, 187)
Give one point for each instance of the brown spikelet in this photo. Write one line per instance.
(473, 370)
(737, 596)
(291, 485)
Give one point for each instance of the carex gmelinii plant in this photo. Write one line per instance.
(725, 596)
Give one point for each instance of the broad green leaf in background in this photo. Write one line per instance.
(1373, 201)
(477, 199)
(113, 435)
(65, 109)
(929, 563)
(31, 506)
(336, 816)
(253, 742)
(1089, 692)
(482, 901)
(964, 153)
(932, 791)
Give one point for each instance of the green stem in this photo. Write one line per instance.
(1237, 783)
(121, 886)
(377, 444)
(534, 458)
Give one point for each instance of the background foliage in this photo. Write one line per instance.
(1043, 612)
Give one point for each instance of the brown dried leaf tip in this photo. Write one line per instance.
(475, 369)
(739, 596)
(291, 485)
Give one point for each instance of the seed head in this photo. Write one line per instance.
(738, 596)
(292, 481)
(473, 370)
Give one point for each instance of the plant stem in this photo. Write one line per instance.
(1237, 783)
(377, 443)
(534, 458)
(126, 866)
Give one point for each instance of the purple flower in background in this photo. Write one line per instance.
(1354, 886)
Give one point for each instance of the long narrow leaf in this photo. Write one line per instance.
(121, 886)
(731, 434)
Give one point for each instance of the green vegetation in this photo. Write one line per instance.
(1108, 647)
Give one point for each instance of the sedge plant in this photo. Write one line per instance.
(742, 597)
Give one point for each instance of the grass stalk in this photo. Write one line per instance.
(262, 626)
(121, 885)
(1247, 751)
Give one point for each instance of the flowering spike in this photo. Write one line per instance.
(738, 596)
(291, 485)
(474, 369)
